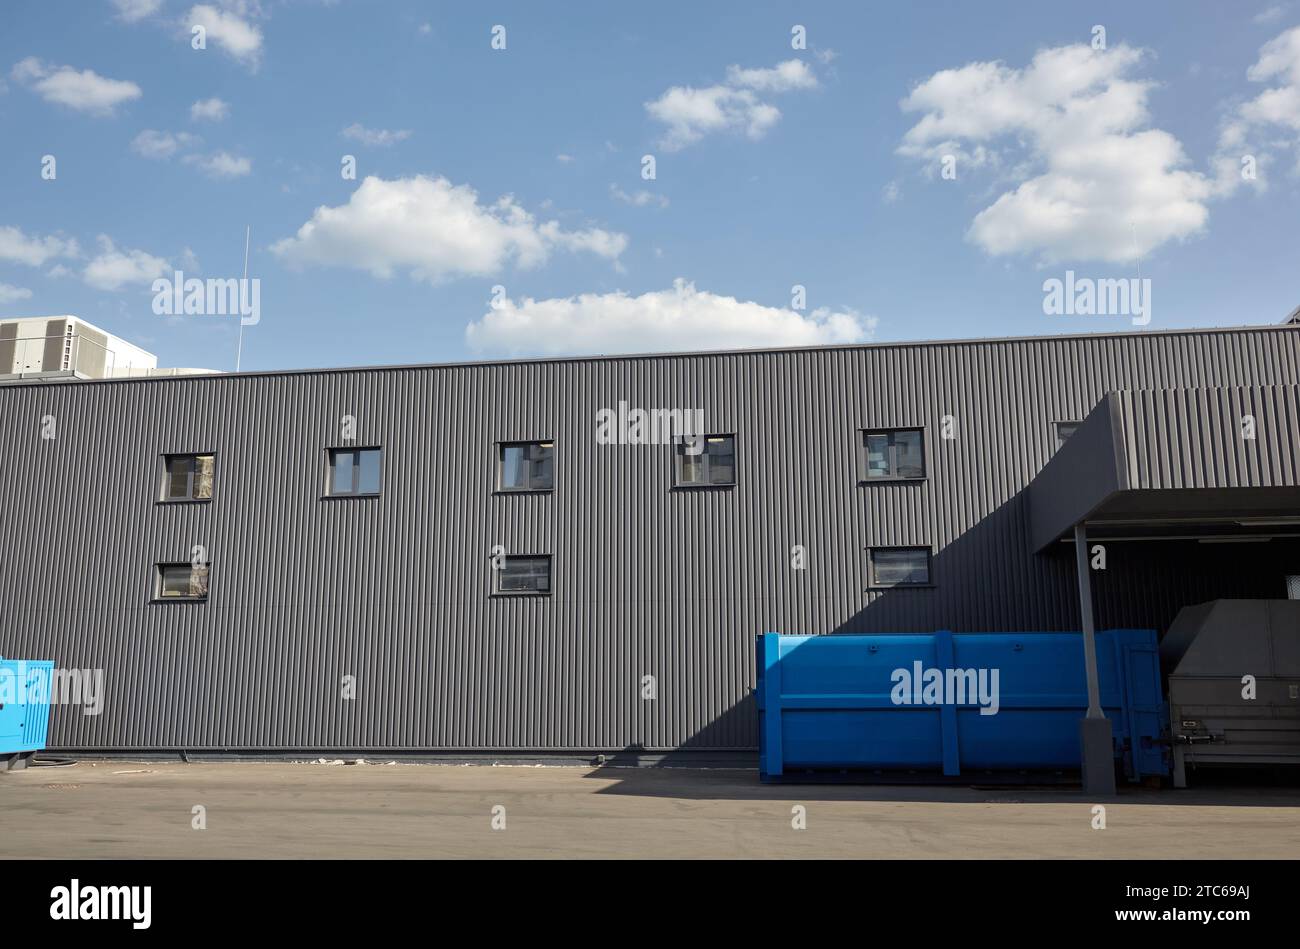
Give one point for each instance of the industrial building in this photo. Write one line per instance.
(447, 559)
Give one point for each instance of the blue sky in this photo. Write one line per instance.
(521, 168)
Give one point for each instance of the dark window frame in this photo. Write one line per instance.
(864, 465)
(1056, 431)
(906, 585)
(679, 452)
(501, 446)
(159, 574)
(550, 576)
(165, 488)
(332, 452)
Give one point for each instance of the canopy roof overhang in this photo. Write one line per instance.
(1215, 465)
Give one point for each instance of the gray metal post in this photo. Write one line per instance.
(1085, 614)
(1094, 729)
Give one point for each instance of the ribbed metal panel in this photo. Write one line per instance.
(8, 347)
(1211, 438)
(648, 580)
(52, 349)
(36, 718)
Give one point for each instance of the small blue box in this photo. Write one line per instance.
(25, 686)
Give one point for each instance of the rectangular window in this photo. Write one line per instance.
(524, 574)
(188, 477)
(893, 454)
(182, 581)
(1293, 588)
(713, 464)
(526, 466)
(899, 566)
(354, 471)
(1064, 430)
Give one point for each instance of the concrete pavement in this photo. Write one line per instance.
(130, 809)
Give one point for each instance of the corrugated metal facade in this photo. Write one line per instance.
(1179, 443)
(648, 580)
(1195, 438)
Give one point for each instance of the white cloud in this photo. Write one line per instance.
(133, 11)
(783, 77)
(1270, 15)
(220, 164)
(377, 138)
(161, 145)
(17, 247)
(12, 294)
(638, 199)
(1268, 123)
(85, 91)
(435, 230)
(1069, 130)
(232, 31)
(678, 319)
(564, 158)
(113, 269)
(209, 110)
(734, 105)
(426, 28)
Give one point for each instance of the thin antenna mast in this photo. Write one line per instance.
(239, 353)
(1136, 256)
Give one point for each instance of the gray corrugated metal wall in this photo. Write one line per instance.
(1195, 438)
(648, 580)
(1170, 441)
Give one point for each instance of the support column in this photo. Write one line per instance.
(1094, 729)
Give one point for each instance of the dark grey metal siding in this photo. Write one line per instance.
(1173, 441)
(1193, 438)
(648, 580)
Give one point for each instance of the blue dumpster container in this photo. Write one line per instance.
(24, 709)
(953, 703)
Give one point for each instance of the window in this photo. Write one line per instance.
(712, 464)
(182, 581)
(893, 454)
(1064, 430)
(353, 472)
(526, 574)
(188, 477)
(899, 566)
(526, 466)
(1293, 588)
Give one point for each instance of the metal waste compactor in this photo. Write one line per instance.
(1234, 684)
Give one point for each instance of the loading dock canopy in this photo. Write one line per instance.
(1177, 462)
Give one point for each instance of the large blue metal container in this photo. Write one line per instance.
(24, 708)
(851, 703)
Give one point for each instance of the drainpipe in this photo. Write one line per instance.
(1094, 729)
